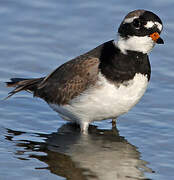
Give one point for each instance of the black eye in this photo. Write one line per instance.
(136, 23)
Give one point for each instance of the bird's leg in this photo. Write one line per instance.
(84, 127)
(114, 122)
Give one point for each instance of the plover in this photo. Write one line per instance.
(105, 82)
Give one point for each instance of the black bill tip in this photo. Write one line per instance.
(159, 41)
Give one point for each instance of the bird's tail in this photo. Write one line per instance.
(21, 84)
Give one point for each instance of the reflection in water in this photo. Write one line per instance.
(102, 154)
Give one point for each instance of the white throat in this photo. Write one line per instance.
(135, 43)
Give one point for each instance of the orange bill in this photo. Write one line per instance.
(156, 37)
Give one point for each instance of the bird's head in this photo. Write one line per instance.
(140, 31)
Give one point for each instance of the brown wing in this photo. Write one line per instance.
(69, 80)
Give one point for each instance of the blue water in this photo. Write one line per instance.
(35, 143)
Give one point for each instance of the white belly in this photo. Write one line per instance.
(104, 101)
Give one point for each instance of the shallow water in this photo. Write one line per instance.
(35, 143)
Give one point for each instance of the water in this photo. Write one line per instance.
(35, 143)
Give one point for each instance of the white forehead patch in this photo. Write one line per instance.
(150, 24)
(159, 26)
(129, 20)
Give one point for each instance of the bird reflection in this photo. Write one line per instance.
(100, 155)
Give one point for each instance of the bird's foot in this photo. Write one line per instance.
(114, 123)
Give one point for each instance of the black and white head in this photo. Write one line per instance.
(140, 31)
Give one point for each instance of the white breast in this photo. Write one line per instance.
(104, 101)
